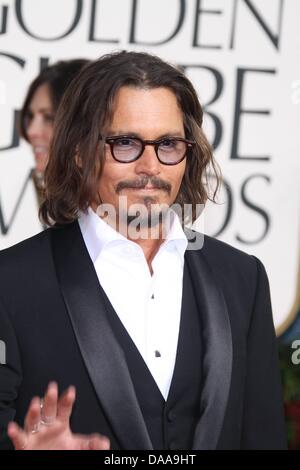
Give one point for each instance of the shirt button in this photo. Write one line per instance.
(171, 416)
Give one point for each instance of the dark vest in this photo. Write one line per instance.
(171, 424)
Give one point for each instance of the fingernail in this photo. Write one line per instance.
(52, 384)
(11, 427)
(105, 441)
(106, 444)
(35, 401)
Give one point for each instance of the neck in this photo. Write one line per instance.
(148, 238)
(149, 245)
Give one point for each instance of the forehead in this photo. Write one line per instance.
(144, 111)
(41, 98)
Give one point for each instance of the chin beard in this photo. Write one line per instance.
(149, 221)
(137, 219)
(146, 215)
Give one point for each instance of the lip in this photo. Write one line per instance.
(146, 188)
(40, 148)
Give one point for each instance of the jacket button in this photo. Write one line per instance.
(171, 416)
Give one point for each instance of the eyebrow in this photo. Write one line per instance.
(137, 134)
(41, 110)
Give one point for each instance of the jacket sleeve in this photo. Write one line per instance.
(10, 375)
(263, 420)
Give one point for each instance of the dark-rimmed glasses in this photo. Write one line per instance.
(169, 150)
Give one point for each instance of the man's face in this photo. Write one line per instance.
(148, 114)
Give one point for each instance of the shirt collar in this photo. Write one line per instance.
(175, 236)
(98, 234)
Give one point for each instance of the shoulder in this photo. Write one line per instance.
(218, 250)
(242, 279)
(25, 262)
(33, 256)
(27, 249)
(231, 265)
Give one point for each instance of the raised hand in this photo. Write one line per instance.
(47, 425)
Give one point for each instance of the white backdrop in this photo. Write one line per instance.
(243, 58)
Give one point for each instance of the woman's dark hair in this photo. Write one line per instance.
(77, 156)
(57, 76)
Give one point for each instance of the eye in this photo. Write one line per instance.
(27, 118)
(125, 142)
(49, 118)
(168, 144)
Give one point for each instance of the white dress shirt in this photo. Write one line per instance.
(149, 306)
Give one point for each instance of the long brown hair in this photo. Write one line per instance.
(57, 76)
(76, 154)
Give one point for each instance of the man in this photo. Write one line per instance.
(157, 341)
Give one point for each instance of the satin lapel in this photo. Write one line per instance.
(217, 361)
(101, 352)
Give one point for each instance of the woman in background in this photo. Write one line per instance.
(38, 113)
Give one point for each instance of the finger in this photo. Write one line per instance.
(65, 405)
(49, 408)
(17, 436)
(97, 442)
(33, 415)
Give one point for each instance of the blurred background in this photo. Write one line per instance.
(243, 58)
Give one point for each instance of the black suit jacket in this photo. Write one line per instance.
(54, 324)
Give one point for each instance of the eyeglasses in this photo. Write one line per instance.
(169, 150)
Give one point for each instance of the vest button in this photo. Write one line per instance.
(172, 445)
(171, 416)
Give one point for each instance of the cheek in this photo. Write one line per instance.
(109, 179)
(114, 172)
(49, 134)
(178, 176)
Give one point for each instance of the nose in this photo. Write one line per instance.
(148, 162)
(35, 128)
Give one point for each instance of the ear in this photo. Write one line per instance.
(78, 159)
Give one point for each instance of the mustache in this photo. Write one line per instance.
(141, 183)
